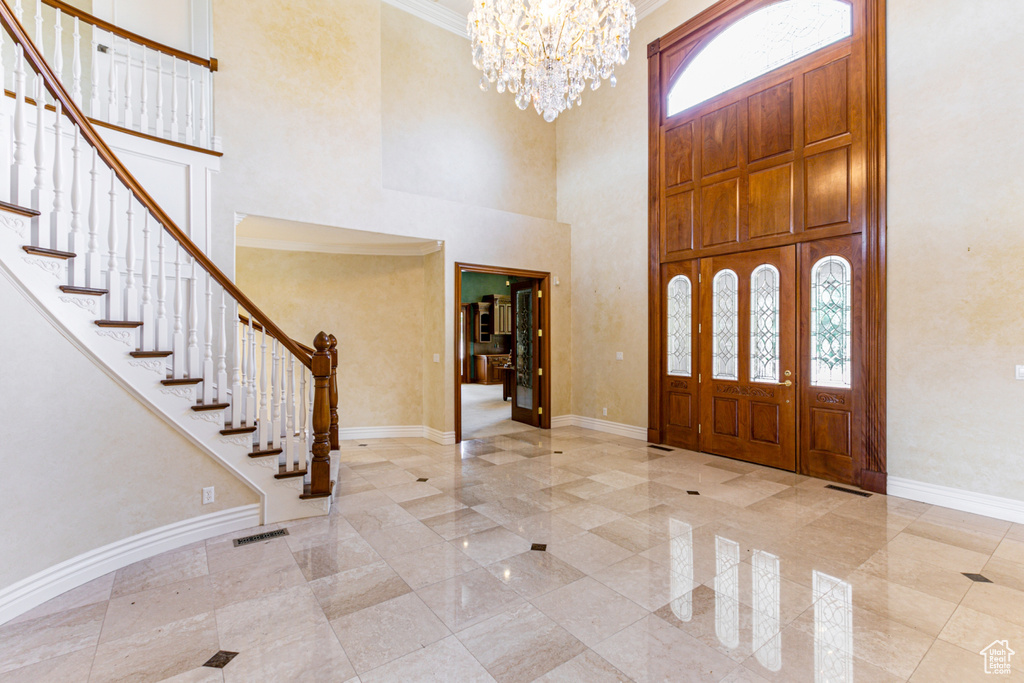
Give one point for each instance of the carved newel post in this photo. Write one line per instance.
(320, 467)
(334, 392)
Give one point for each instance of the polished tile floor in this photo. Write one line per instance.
(566, 555)
(484, 413)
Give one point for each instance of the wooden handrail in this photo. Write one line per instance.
(73, 11)
(92, 136)
(245, 321)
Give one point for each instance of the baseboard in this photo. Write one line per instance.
(958, 499)
(389, 432)
(439, 437)
(628, 431)
(33, 591)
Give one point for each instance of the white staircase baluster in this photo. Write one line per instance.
(289, 434)
(189, 106)
(92, 256)
(114, 294)
(160, 342)
(160, 96)
(58, 236)
(144, 93)
(222, 354)
(178, 336)
(39, 227)
(112, 81)
(275, 399)
(174, 100)
(148, 324)
(302, 446)
(3, 71)
(76, 66)
(281, 411)
(250, 378)
(58, 48)
(77, 243)
(20, 134)
(237, 363)
(39, 24)
(194, 369)
(131, 291)
(204, 137)
(18, 12)
(94, 84)
(264, 425)
(129, 113)
(208, 344)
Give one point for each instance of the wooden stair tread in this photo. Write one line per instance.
(14, 208)
(50, 253)
(231, 431)
(282, 473)
(306, 495)
(151, 354)
(262, 454)
(202, 407)
(128, 324)
(91, 291)
(173, 382)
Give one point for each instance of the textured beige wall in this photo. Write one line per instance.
(299, 108)
(374, 305)
(85, 464)
(955, 245)
(444, 138)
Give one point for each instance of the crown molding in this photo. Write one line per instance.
(364, 249)
(436, 14)
(450, 20)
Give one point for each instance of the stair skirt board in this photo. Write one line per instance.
(33, 591)
(396, 432)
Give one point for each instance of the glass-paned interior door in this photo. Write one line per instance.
(680, 302)
(748, 368)
(526, 341)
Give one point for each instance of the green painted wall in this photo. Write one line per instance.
(475, 286)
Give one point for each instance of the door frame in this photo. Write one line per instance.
(871, 472)
(544, 283)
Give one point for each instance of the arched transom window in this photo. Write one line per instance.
(758, 43)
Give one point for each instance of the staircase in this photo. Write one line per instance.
(106, 264)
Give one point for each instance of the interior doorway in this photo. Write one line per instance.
(503, 351)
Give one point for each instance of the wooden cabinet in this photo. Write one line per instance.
(489, 368)
(501, 313)
(482, 322)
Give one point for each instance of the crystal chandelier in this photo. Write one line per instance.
(545, 51)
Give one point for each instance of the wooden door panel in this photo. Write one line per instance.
(827, 179)
(678, 223)
(719, 215)
(679, 155)
(721, 144)
(526, 352)
(770, 197)
(725, 417)
(764, 422)
(826, 102)
(770, 124)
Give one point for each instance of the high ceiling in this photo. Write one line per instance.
(460, 6)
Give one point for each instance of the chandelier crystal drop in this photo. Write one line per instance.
(545, 51)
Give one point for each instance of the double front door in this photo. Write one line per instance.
(758, 360)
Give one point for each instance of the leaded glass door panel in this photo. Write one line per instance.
(748, 370)
(526, 340)
(679, 366)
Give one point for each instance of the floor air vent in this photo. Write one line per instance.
(862, 494)
(260, 537)
(660, 448)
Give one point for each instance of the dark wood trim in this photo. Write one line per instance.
(88, 291)
(320, 465)
(127, 131)
(49, 253)
(544, 278)
(231, 431)
(654, 314)
(127, 324)
(22, 210)
(93, 138)
(151, 354)
(184, 381)
(73, 11)
(207, 407)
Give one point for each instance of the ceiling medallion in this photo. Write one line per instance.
(545, 51)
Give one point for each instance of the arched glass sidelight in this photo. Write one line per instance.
(725, 341)
(680, 327)
(764, 324)
(831, 323)
(758, 43)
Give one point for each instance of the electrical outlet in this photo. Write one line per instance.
(1020, 372)
(604, 411)
(618, 355)
(207, 495)
(437, 358)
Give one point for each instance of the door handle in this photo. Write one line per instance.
(787, 383)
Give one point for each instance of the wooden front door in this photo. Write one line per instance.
(747, 356)
(526, 352)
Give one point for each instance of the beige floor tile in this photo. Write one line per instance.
(979, 542)
(973, 630)
(358, 588)
(631, 534)
(318, 531)
(651, 650)
(178, 565)
(397, 540)
(334, 557)
(459, 523)
(588, 553)
(544, 528)
(907, 606)
(253, 580)
(719, 621)
(431, 506)
(508, 510)
(155, 607)
(966, 521)
(587, 515)
(413, 490)
(589, 610)
(520, 644)
(159, 653)
(491, 545)
(50, 636)
(360, 502)
(586, 667)
(431, 564)
(388, 630)
(202, 674)
(997, 601)
(71, 667)
(946, 584)
(222, 555)
(436, 663)
(1010, 550)
(646, 583)
(534, 573)
(468, 599)
(1005, 573)
(97, 590)
(946, 663)
(618, 479)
